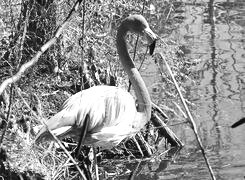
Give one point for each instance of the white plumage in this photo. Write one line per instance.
(112, 112)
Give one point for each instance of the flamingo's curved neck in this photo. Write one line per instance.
(139, 86)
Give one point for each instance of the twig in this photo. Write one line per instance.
(34, 60)
(95, 164)
(171, 8)
(147, 148)
(81, 44)
(133, 173)
(67, 153)
(27, 15)
(8, 115)
(26, 104)
(138, 146)
(180, 109)
(165, 131)
(192, 122)
(159, 110)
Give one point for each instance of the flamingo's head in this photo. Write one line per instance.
(138, 24)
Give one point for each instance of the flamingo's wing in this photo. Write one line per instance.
(62, 121)
(110, 110)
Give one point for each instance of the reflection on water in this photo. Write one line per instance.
(214, 31)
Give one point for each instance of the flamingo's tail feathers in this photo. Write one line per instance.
(59, 124)
(44, 134)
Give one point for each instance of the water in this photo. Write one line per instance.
(213, 32)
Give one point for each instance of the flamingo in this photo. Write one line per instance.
(110, 112)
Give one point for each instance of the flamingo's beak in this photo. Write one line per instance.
(238, 123)
(151, 38)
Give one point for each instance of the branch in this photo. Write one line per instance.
(191, 119)
(8, 115)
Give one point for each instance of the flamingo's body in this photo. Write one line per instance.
(112, 112)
